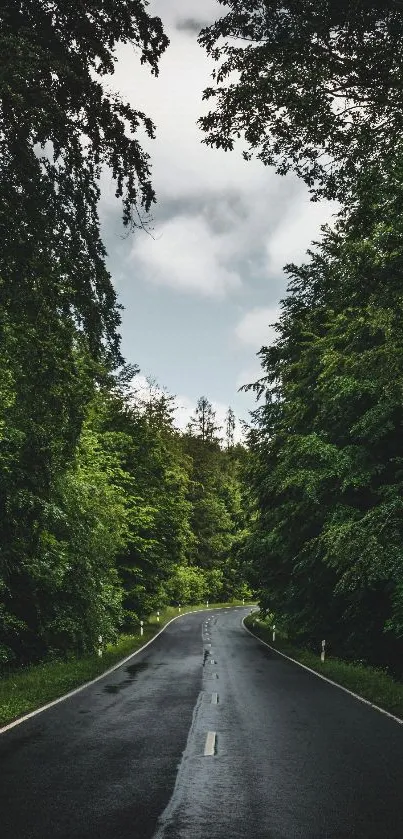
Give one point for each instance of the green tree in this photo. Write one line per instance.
(60, 587)
(210, 519)
(187, 584)
(313, 87)
(218, 514)
(157, 405)
(58, 127)
(326, 458)
(44, 389)
(230, 429)
(154, 478)
(203, 424)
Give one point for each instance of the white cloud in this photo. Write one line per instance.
(299, 226)
(184, 411)
(222, 227)
(248, 375)
(181, 163)
(178, 10)
(255, 327)
(186, 257)
(271, 219)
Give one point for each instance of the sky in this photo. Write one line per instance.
(201, 292)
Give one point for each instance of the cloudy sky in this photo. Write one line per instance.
(200, 293)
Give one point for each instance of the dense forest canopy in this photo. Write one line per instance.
(327, 445)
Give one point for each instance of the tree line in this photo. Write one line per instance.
(135, 516)
(317, 88)
(106, 510)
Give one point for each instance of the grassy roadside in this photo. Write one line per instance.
(369, 682)
(28, 689)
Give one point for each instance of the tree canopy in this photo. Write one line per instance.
(326, 450)
(96, 509)
(129, 515)
(58, 127)
(311, 86)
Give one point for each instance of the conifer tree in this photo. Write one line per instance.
(204, 424)
(230, 428)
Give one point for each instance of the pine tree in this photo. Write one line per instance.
(203, 424)
(229, 428)
(156, 404)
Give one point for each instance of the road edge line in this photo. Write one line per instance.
(73, 692)
(324, 678)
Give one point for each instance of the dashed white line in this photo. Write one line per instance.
(209, 748)
(214, 698)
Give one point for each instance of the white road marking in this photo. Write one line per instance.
(209, 748)
(214, 698)
(325, 679)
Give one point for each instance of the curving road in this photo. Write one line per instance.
(205, 734)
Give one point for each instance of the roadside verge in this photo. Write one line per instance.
(372, 686)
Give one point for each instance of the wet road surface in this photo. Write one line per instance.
(206, 734)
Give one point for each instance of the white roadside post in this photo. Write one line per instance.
(141, 627)
(206, 602)
(243, 601)
(100, 648)
(158, 617)
(274, 631)
(322, 655)
(179, 607)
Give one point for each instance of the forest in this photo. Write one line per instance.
(107, 511)
(317, 89)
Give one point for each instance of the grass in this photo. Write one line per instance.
(30, 688)
(369, 682)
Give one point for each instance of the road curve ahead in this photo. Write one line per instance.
(206, 734)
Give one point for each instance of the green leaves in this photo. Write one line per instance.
(313, 87)
(326, 447)
(101, 499)
(59, 128)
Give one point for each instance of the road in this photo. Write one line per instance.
(291, 757)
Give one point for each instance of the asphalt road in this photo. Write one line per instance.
(291, 756)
